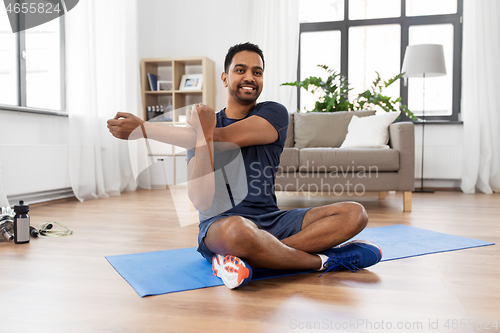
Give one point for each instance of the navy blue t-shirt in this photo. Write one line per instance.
(260, 164)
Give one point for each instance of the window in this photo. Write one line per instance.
(359, 37)
(310, 58)
(32, 66)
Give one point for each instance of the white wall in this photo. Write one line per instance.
(146, 25)
(20, 128)
(443, 155)
(33, 149)
(194, 28)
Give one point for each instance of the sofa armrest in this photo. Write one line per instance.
(402, 138)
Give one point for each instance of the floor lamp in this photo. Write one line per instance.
(423, 60)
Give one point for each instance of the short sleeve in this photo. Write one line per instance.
(190, 154)
(277, 115)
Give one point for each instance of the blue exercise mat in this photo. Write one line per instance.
(162, 272)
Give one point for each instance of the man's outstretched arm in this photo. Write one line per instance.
(127, 126)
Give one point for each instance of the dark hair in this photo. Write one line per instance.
(241, 47)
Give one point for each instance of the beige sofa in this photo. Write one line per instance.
(313, 162)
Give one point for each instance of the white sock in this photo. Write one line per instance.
(324, 259)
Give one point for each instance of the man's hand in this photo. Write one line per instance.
(126, 126)
(202, 118)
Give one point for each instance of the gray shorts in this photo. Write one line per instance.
(281, 224)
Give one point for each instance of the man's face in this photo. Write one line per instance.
(244, 78)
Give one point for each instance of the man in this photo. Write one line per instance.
(254, 232)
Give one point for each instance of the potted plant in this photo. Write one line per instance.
(333, 93)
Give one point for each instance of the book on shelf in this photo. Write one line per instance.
(153, 81)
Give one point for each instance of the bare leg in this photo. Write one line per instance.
(322, 228)
(240, 237)
(328, 226)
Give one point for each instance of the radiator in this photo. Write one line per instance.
(440, 162)
(30, 169)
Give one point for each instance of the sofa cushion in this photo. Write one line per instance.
(289, 133)
(348, 160)
(369, 132)
(323, 129)
(289, 161)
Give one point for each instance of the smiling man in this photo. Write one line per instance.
(253, 231)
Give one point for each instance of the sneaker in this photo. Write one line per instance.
(353, 255)
(233, 271)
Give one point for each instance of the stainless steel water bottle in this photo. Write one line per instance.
(21, 223)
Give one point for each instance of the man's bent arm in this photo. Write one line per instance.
(252, 131)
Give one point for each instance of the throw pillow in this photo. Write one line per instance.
(323, 129)
(369, 132)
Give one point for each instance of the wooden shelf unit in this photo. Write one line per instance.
(172, 69)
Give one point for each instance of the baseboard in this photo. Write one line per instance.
(446, 189)
(41, 197)
(440, 184)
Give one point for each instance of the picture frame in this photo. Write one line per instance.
(191, 82)
(165, 85)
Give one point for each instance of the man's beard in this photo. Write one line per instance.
(244, 98)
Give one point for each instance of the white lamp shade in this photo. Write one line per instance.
(423, 59)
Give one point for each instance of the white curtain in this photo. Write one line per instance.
(3, 197)
(274, 26)
(102, 78)
(480, 98)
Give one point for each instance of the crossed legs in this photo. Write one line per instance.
(322, 228)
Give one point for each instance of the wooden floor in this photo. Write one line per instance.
(66, 285)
